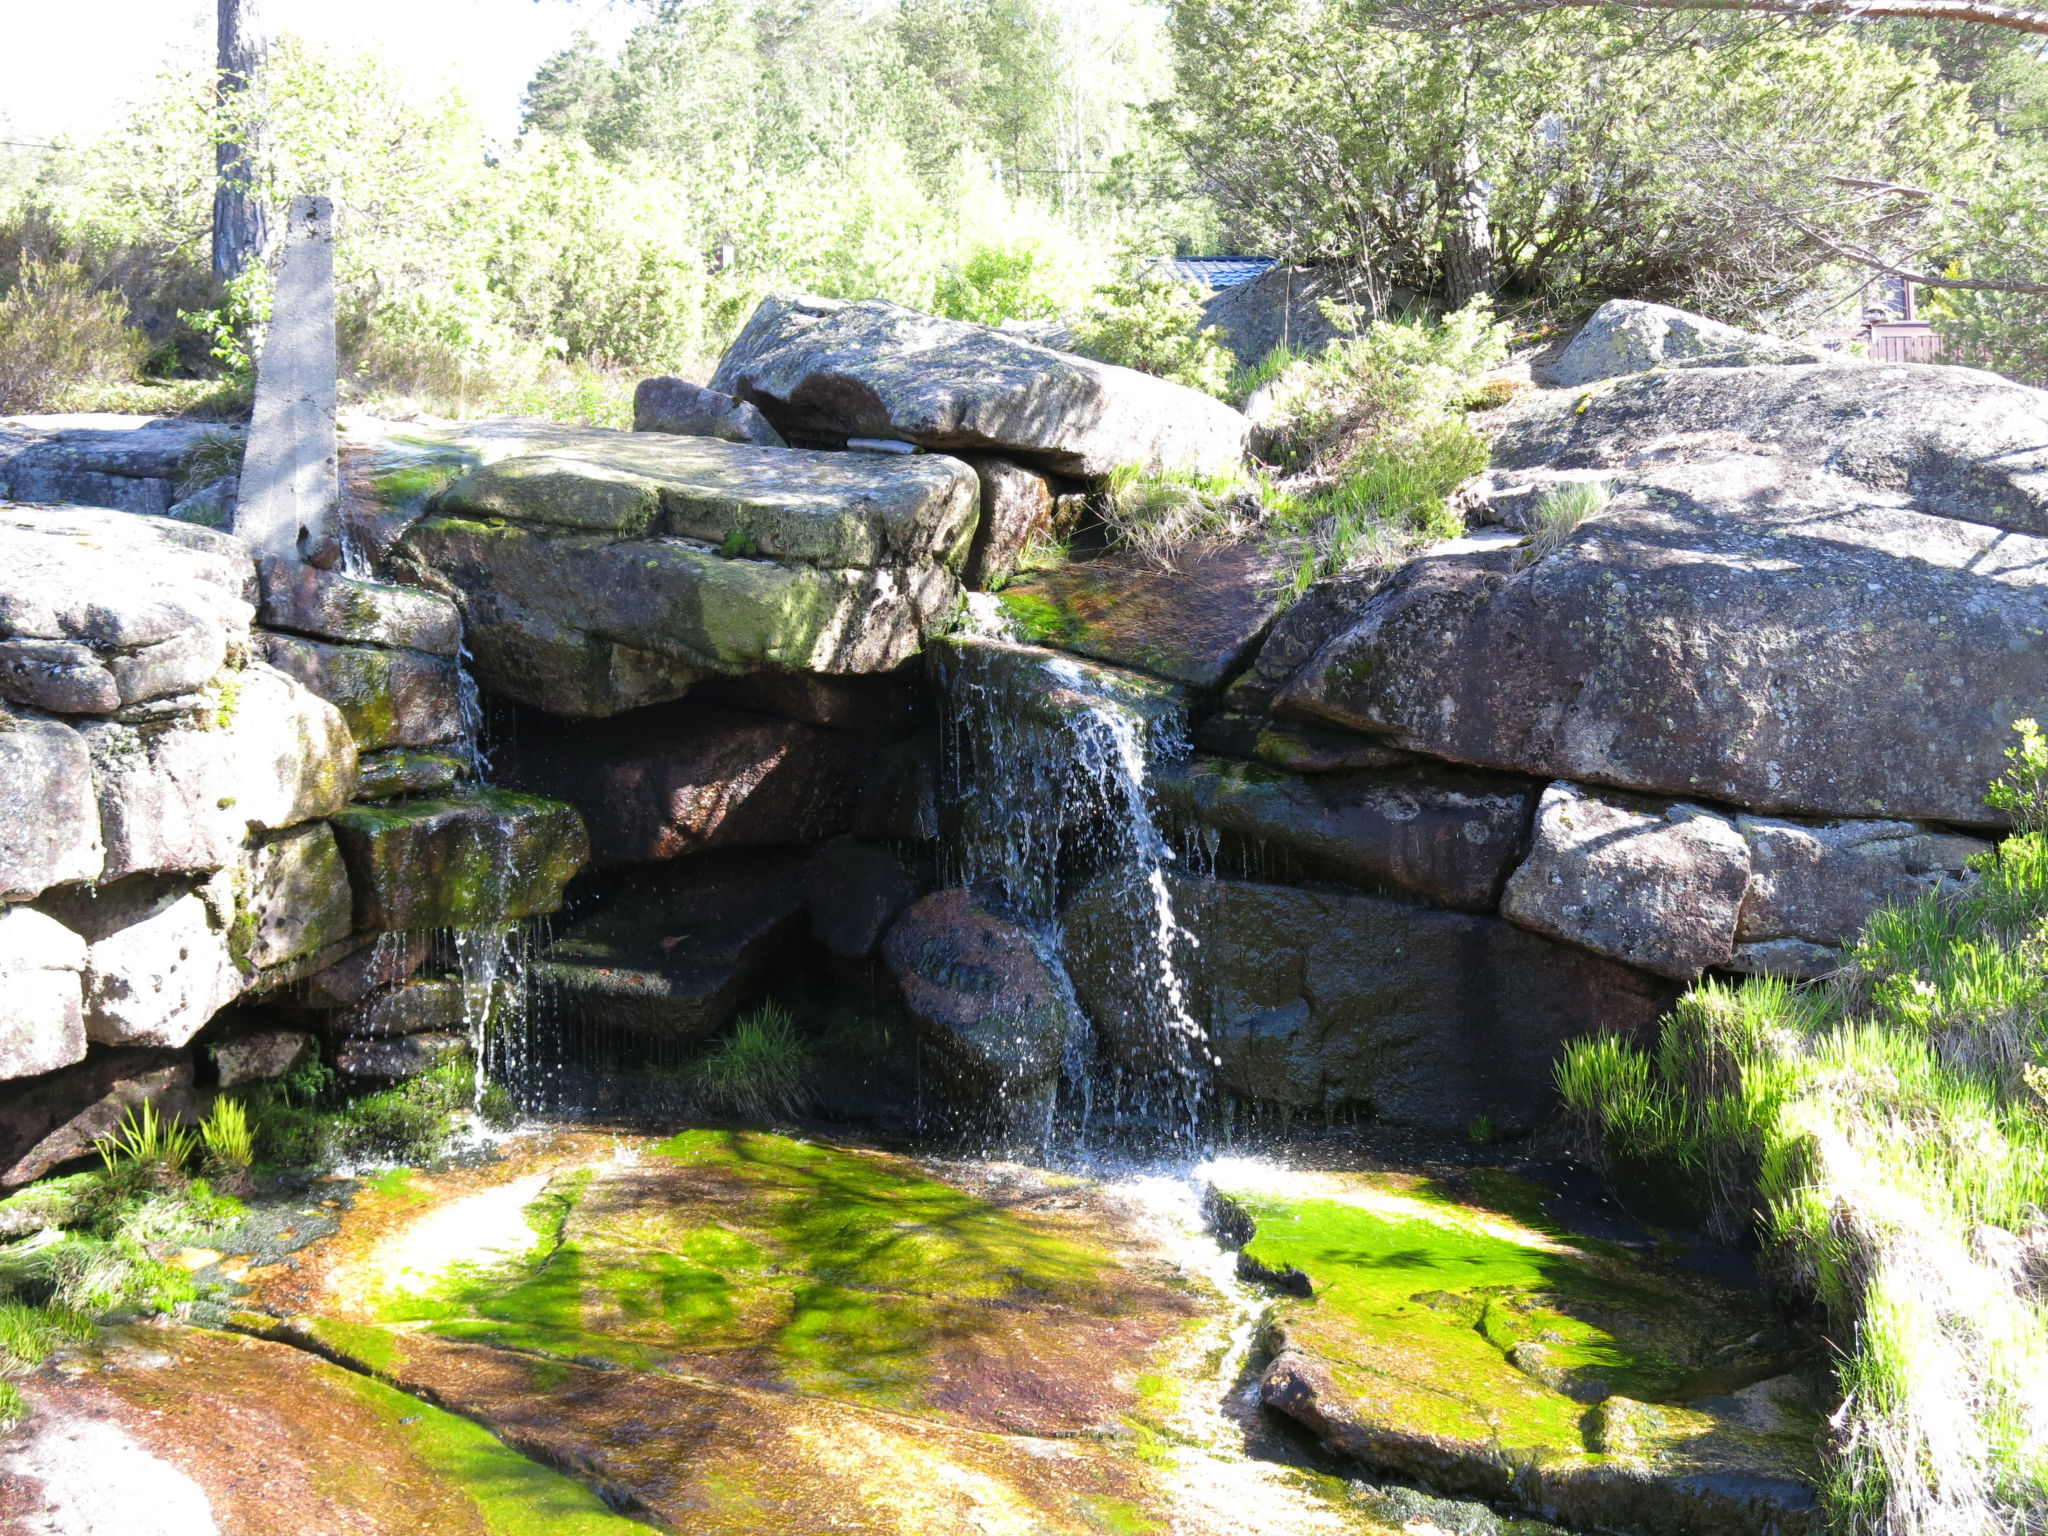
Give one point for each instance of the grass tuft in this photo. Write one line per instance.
(758, 1069)
(1560, 511)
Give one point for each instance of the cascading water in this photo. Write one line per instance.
(1046, 784)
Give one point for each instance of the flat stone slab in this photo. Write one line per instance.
(1451, 1336)
(828, 370)
(131, 463)
(1196, 621)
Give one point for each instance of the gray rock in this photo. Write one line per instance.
(1016, 509)
(1629, 336)
(259, 1057)
(290, 487)
(1659, 887)
(1320, 1000)
(159, 960)
(330, 606)
(180, 665)
(396, 1060)
(42, 1006)
(402, 771)
(390, 698)
(390, 960)
(1281, 305)
(856, 890)
(1445, 835)
(419, 1006)
(1793, 958)
(58, 675)
(1954, 441)
(670, 404)
(1796, 647)
(49, 817)
(1821, 884)
(829, 372)
(134, 464)
(211, 506)
(993, 1009)
(299, 899)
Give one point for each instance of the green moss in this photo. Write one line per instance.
(513, 1495)
(1037, 619)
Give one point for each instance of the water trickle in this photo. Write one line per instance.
(1045, 785)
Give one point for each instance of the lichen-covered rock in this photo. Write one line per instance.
(670, 404)
(42, 1018)
(298, 898)
(330, 606)
(399, 771)
(483, 856)
(1446, 835)
(160, 960)
(680, 778)
(183, 795)
(1957, 442)
(583, 624)
(1799, 647)
(49, 816)
(991, 1000)
(1630, 336)
(1820, 884)
(677, 954)
(1661, 887)
(397, 1059)
(389, 697)
(826, 370)
(139, 464)
(1196, 622)
(1318, 999)
(259, 1056)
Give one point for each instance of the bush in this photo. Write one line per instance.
(997, 283)
(58, 332)
(1153, 323)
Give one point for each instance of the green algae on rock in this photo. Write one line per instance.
(1460, 1346)
(477, 856)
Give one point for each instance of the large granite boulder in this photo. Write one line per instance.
(1790, 643)
(824, 370)
(49, 816)
(1958, 442)
(132, 463)
(160, 960)
(1318, 999)
(679, 778)
(993, 1007)
(616, 570)
(1819, 884)
(1658, 887)
(1630, 336)
(481, 857)
(1446, 835)
(42, 1008)
(328, 605)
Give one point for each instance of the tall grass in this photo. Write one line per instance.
(1883, 1136)
(758, 1069)
(1560, 511)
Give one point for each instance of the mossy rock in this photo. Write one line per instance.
(1462, 1344)
(477, 857)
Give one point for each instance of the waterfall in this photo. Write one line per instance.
(1045, 787)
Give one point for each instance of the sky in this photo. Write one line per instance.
(74, 65)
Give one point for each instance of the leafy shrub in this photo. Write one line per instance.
(997, 283)
(756, 1070)
(57, 332)
(1153, 323)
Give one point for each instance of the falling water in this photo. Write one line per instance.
(1046, 784)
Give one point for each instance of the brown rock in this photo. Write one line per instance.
(1658, 886)
(396, 1060)
(330, 606)
(258, 1057)
(48, 1120)
(390, 698)
(1016, 508)
(856, 890)
(390, 960)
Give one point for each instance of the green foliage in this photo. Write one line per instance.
(2021, 791)
(146, 1143)
(1560, 509)
(410, 1123)
(1153, 322)
(58, 331)
(1885, 1137)
(995, 283)
(758, 1069)
(230, 1145)
(1157, 512)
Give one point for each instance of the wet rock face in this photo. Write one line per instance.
(827, 370)
(481, 856)
(1468, 1366)
(682, 778)
(1197, 621)
(1316, 999)
(1446, 836)
(991, 1000)
(1831, 654)
(1016, 510)
(1628, 336)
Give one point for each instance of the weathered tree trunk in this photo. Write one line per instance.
(241, 225)
(1467, 234)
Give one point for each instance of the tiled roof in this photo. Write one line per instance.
(1216, 271)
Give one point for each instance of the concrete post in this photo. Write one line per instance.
(291, 485)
